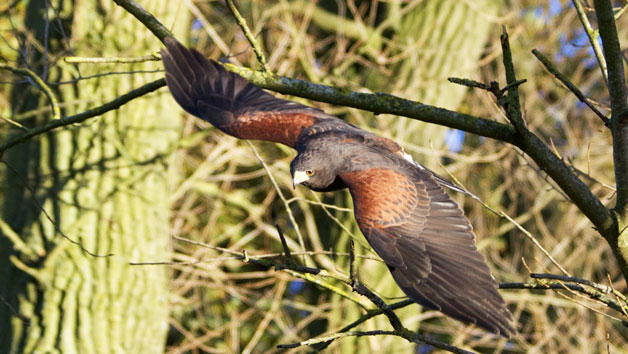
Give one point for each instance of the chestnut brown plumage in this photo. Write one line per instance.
(400, 206)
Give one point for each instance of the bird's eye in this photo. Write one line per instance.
(310, 173)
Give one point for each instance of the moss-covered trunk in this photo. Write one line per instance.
(103, 183)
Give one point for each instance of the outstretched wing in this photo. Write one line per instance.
(229, 102)
(428, 244)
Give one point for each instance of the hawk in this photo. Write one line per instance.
(400, 206)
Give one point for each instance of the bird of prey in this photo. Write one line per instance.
(400, 206)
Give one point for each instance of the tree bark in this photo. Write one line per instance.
(103, 184)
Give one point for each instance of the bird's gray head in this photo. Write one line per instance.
(314, 169)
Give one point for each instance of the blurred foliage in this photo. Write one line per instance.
(228, 200)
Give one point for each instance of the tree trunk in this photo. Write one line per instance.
(104, 183)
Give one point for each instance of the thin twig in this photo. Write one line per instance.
(370, 314)
(503, 215)
(513, 106)
(353, 265)
(621, 11)
(269, 316)
(359, 288)
(358, 300)
(471, 83)
(19, 244)
(280, 194)
(98, 60)
(258, 256)
(54, 103)
(27, 321)
(592, 35)
(14, 123)
(570, 86)
(287, 255)
(340, 224)
(268, 263)
(307, 272)
(409, 336)
(492, 87)
(594, 295)
(601, 287)
(536, 243)
(334, 336)
(83, 116)
(249, 36)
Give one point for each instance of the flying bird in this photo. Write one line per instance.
(400, 206)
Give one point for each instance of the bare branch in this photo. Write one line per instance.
(613, 55)
(619, 103)
(603, 288)
(145, 58)
(83, 116)
(411, 338)
(370, 314)
(572, 286)
(249, 36)
(145, 17)
(565, 81)
(54, 103)
(383, 307)
(592, 35)
(513, 106)
(555, 167)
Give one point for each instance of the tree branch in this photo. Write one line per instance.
(83, 116)
(592, 35)
(145, 17)
(249, 36)
(416, 338)
(370, 314)
(570, 86)
(613, 55)
(622, 308)
(619, 104)
(555, 167)
(399, 329)
(512, 105)
(54, 103)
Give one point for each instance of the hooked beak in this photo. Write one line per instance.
(298, 178)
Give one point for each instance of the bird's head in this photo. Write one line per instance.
(313, 170)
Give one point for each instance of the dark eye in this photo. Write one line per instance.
(310, 173)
